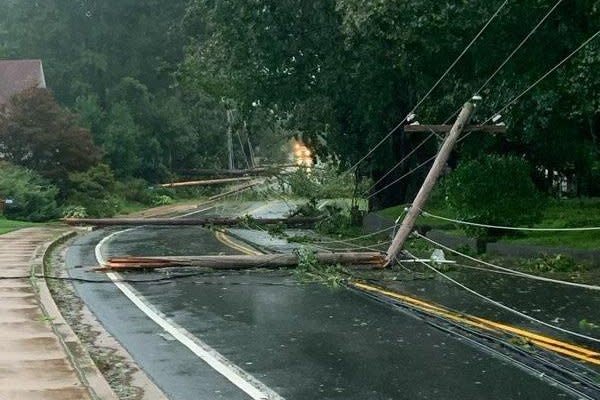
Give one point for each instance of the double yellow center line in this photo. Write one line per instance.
(545, 342)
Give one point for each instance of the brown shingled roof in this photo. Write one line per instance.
(19, 75)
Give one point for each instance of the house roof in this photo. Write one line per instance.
(19, 75)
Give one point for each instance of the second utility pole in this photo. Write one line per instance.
(436, 170)
(230, 139)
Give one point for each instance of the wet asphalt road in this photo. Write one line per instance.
(304, 342)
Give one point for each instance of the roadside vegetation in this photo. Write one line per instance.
(9, 226)
(558, 213)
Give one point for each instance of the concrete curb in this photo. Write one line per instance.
(86, 369)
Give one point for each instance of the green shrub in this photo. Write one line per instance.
(302, 184)
(162, 200)
(136, 190)
(552, 263)
(34, 198)
(94, 191)
(495, 190)
(75, 212)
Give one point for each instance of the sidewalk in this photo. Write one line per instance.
(33, 363)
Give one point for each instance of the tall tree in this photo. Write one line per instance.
(37, 133)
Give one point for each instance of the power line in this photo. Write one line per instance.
(349, 246)
(508, 270)
(514, 99)
(510, 228)
(403, 176)
(523, 93)
(433, 133)
(358, 237)
(399, 163)
(504, 307)
(510, 56)
(436, 84)
(519, 46)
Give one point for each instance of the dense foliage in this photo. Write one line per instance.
(494, 190)
(32, 197)
(36, 133)
(153, 80)
(94, 191)
(345, 72)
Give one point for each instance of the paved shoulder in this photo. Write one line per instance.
(34, 364)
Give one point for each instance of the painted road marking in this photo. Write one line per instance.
(243, 380)
(558, 346)
(546, 342)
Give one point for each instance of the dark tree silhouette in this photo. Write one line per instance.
(36, 133)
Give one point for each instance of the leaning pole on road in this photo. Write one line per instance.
(436, 170)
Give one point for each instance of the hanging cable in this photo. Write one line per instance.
(399, 163)
(544, 76)
(508, 270)
(510, 56)
(500, 305)
(412, 171)
(435, 85)
(389, 228)
(510, 228)
(405, 158)
(515, 99)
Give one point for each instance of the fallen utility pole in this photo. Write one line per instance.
(230, 192)
(205, 182)
(242, 261)
(436, 170)
(224, 173)
(201, 221)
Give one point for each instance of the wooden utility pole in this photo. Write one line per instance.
(206, 182)
(241, 261)
(230, 138)
(436, 170)
(198, 221)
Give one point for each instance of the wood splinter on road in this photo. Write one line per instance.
(236, 262)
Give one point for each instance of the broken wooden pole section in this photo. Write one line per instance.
(242, 261)
(238, 189)
(225, 173)
(200, 221)
(207, 182)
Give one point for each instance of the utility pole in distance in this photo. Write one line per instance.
(230, 138)
(434, 173)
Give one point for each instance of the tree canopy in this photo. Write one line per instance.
(153, 80)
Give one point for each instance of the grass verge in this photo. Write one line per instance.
(567, 213)
(7, 225)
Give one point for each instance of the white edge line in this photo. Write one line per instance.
(244, 381)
